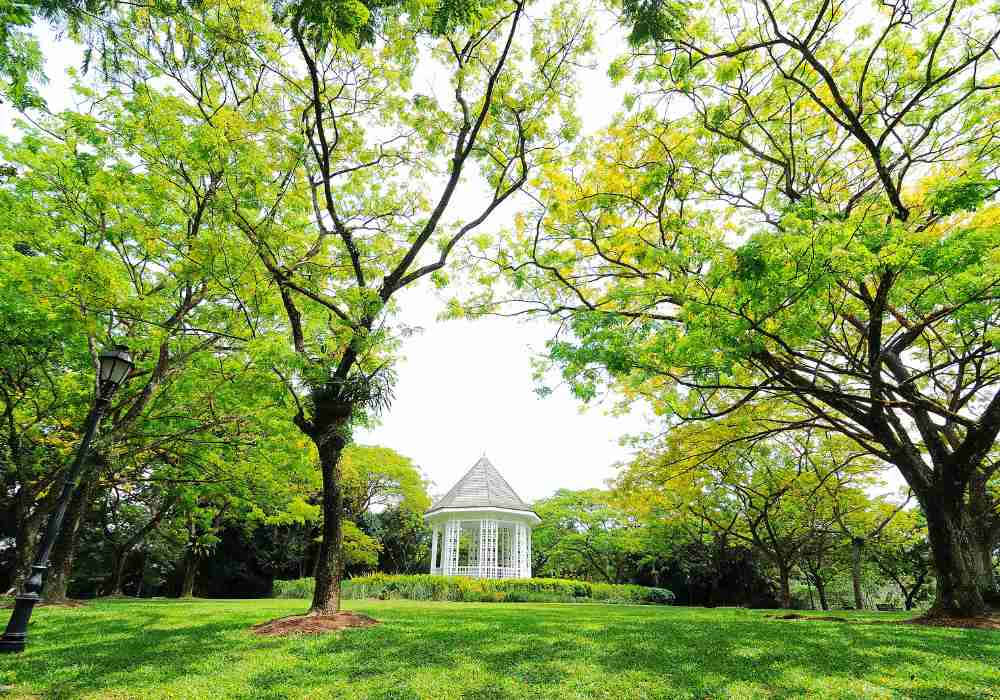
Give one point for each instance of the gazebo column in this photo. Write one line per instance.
(487, 548)
(435, 534)
(452, 534)
(522, 549)
(527, 552)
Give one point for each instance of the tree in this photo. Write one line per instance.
(381, 477)
(801, 206)
(113, 234)
(903, 556)
(583, 534)
(780, 496)
(862, 519)
(127, 523)
(356, 227)
(404, 537)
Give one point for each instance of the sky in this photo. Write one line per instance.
(465, 388)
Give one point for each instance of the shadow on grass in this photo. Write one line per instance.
(494, 652)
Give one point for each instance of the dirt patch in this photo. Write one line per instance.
(66, 603)
(972, 623)
(796, 616)
(980, 623)
(313, 624)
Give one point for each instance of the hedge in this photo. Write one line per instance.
(460, 588)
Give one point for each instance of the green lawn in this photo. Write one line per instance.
(202, 649)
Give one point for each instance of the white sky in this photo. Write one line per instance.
(465, 387)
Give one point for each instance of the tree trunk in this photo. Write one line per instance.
(857, 544)
(821, 592)
(116, 583)
(330, 564)
(985, 516)
(142, 573)
(24, 551)
(983, 558)
(959, 580)
(190, 573)
(61, 562)
(786, 589)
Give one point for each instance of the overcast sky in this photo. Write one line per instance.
(465, 387)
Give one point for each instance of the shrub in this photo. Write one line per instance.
(460, 588)
(298, 588)
(659, 596)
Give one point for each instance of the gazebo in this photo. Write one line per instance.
(481, 528)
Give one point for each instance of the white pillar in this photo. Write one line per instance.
(522, 550)
(452, 533)
(527, 553)
(435, 533)
(481, 563)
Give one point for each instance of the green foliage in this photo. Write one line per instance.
(20, 58)
(460, 588)
(404, 536)
(651, 20)
(379, 476)
(963, 194)
(449, 14)
(354, 22)
(584, 534)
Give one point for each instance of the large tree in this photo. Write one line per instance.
(112, 233)
(361, 200)
(585, 534)
(800, 205)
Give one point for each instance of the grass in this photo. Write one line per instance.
(481, 651)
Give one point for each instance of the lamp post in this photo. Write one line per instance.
(115, 365)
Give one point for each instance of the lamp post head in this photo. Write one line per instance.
(115, 365)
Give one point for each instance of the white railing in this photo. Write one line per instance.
(473, 572)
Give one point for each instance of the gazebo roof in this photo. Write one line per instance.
(481, 487)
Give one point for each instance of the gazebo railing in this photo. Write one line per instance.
(473, 572)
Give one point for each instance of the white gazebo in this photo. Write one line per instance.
(481, 528)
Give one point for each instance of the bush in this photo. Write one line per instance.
(659, 596)
(298, 588)
(460, 588)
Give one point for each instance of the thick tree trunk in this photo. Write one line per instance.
(61, 562)
(983, 559)
(786, 589)
(857, 544)
(330, 565)
(959, 580)
(25, 539)
(985, 517)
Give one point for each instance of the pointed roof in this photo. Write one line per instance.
(481, 487)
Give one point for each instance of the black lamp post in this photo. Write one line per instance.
(115, 364)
